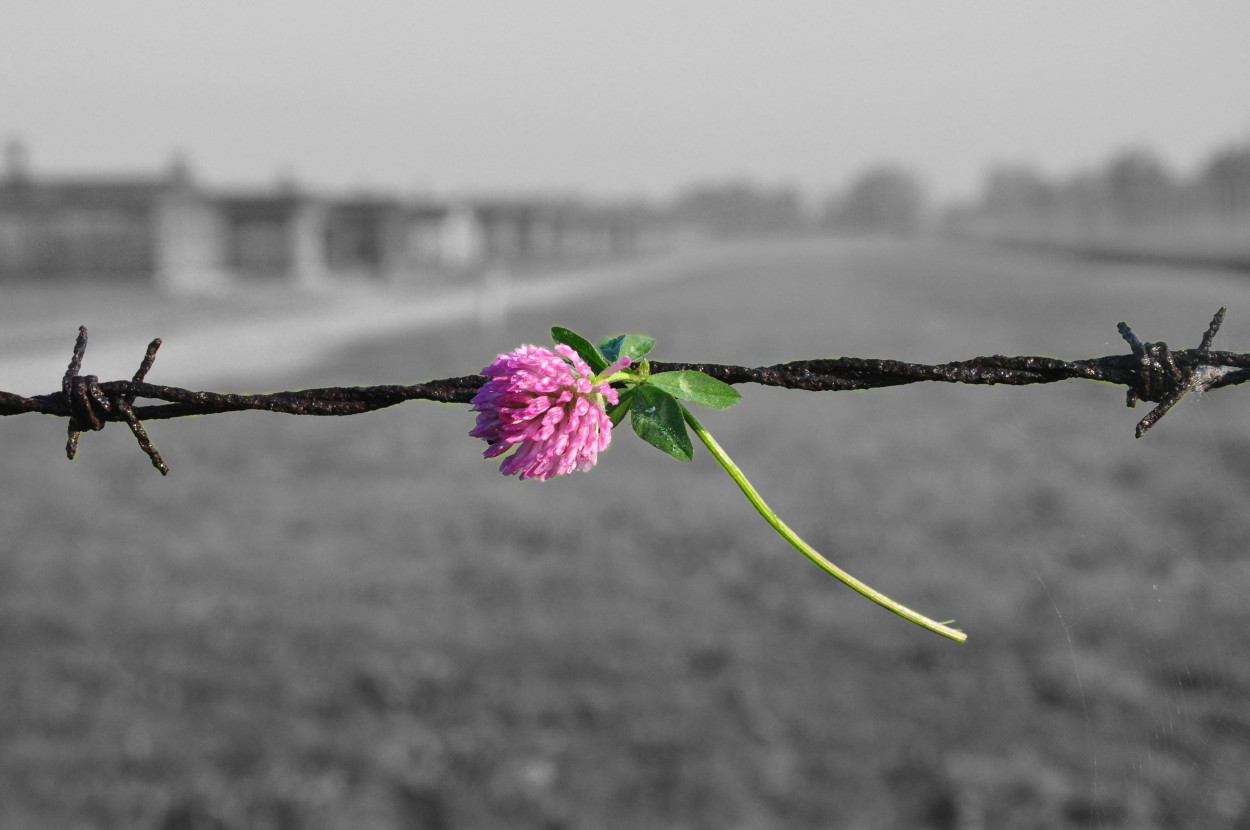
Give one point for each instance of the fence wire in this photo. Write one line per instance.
(1151, 371)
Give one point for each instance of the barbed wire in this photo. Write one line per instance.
(1151, 371)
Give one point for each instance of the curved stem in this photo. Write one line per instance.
(807, 550)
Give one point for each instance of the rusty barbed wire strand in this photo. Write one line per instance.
(1152, 372)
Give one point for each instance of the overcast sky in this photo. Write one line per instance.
(617, 98)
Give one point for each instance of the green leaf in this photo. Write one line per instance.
(611, 347)
(580, 345)
(633, 346)
(657, 418)
(618, 412)
(697, 388)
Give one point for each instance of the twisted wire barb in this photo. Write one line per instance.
(1152, 372)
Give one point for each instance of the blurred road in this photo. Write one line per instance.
(234, 339)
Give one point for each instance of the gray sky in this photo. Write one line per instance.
(620, 98)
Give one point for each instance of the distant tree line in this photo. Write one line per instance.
(1133, 200)
(884, 199)
(739, 208)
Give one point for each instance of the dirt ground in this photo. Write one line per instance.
(358, 623)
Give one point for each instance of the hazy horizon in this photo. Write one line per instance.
(619, 101)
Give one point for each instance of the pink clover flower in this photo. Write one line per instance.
(547, 406)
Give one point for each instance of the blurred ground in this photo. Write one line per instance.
(357, 623)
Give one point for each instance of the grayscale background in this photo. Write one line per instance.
(358, 623)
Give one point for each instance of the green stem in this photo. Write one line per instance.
(807, 550)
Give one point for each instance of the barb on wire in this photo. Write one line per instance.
(90, 407)
(1151, 372)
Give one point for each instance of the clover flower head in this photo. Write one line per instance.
(549, 407)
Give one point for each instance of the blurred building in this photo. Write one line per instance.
(538, 230)
(167, 230)
(273, 236)
(159, 228)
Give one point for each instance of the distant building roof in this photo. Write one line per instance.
(257, 205)
(19, 185)
(88, 192)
